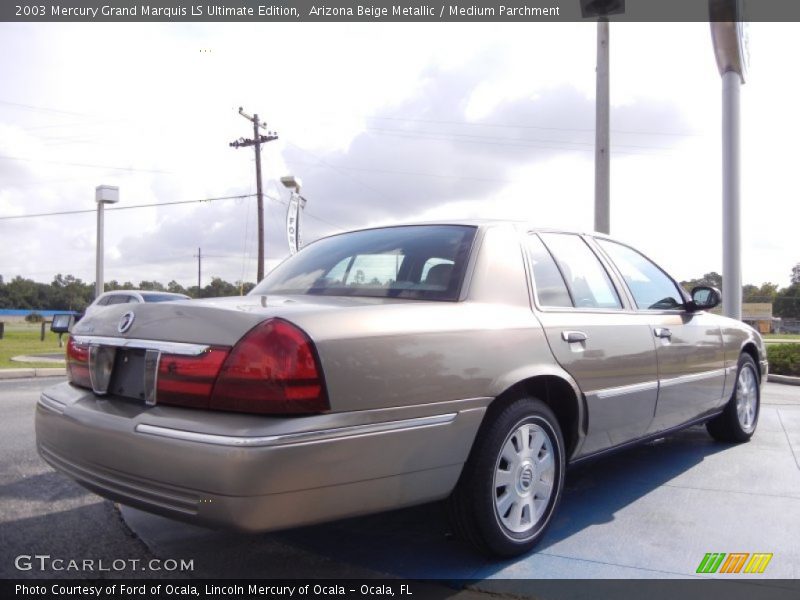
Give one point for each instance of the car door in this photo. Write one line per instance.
(688, 344)
(608, 349)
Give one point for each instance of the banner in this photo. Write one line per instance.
(296, 205)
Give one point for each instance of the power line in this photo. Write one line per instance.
(86, 165)
(336, 169)
(488, 140)
(415, 173)
(522, 126)
(92, 210)
(307, 213)
(42, 108)
(504, 138)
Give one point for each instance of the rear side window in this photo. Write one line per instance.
(586, 279)
(548, 282)
(425, 262)
(119, 299)
(652, 289)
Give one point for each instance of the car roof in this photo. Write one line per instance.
(520, 225)
(142, 293)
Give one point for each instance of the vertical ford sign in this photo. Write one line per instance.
(296, 204)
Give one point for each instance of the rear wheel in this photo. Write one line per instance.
(512, 481)
(738, 421)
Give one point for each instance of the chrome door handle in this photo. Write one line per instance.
(573, 336)
(662, 332)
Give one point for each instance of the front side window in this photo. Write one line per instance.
(586, 279)
(425, 262)
(652, 289)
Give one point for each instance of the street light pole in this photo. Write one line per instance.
(731, 198)
(296, 205)
(103, 194)
(727, 35)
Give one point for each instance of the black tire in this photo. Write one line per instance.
(738, 421)
(473, 504)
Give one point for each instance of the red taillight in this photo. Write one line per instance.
(273, 369)
(78, 363)
(188, 380)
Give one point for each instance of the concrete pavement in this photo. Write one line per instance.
(649, 512)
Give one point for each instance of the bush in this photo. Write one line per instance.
(784, 359)
(34, 317)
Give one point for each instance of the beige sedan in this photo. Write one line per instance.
(394, 366)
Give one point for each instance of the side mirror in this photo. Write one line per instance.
(705, 297)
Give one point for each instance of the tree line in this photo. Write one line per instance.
(785, 302)
(67, 292)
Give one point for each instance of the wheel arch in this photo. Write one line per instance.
(750, 348)
(560, 393)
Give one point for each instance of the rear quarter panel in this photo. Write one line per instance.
(418, 354)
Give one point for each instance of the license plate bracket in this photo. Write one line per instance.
(128, 379)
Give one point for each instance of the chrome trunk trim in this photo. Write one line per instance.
(101, 365)
(165, 347)
(152, 358)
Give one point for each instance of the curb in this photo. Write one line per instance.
(785, 379)
(38, 359)
(33, 372)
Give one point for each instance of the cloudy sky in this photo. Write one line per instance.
(384, 122)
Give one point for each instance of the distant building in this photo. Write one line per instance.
(759, 316)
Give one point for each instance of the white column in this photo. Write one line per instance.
(731, 202)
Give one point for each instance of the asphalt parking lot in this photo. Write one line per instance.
(650, 512)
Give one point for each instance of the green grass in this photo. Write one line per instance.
(782, 336)
(24, 339)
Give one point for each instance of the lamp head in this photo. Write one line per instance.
(601, 8)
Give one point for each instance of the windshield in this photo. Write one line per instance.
(425, 262)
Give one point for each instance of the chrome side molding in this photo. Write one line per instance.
(304, 437)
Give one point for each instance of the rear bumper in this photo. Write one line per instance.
(256, 473)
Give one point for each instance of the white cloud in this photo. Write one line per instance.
(383, 122)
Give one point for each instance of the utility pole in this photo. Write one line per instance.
(199, 257)
(258, 139)
(602, 10)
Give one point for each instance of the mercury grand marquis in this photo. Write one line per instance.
(388, 367)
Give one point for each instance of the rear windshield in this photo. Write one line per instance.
(162, 297)
(425, 262)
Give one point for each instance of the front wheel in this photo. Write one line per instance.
(512, 481)
(738, 421)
